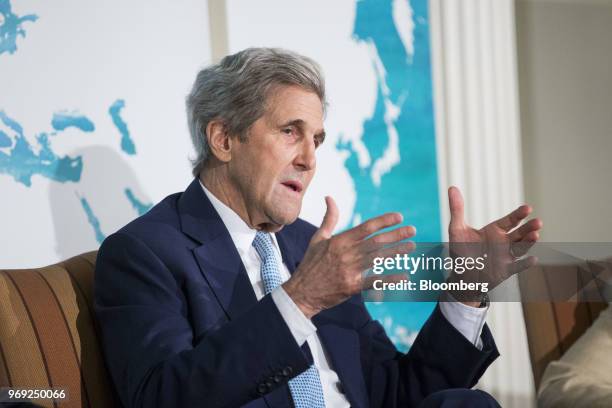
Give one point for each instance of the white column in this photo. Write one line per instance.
(478, 143)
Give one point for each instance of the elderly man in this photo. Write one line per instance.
(221, 296)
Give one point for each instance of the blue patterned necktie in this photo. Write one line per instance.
(306, 388)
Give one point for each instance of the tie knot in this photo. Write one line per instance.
(263, 245)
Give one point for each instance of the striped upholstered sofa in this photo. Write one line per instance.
(48, 335)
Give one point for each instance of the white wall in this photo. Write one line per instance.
(565, 75)
(478, 140)
(81, 57)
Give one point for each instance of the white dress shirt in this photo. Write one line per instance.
(467, 320)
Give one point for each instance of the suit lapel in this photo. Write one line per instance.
(222, 267)
(217, 255)
(283, 237)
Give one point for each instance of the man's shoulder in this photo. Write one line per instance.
(154, 229)
(160, 218)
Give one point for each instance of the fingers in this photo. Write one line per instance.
(455, 203)
(521, 265)
(521, 246)
(519, 249)
(367, 261)
(527, 230)
(373, 225)
(531, 237)
(329, 222)
(398, 234)
(514, 218)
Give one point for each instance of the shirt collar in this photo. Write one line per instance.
(241, 233)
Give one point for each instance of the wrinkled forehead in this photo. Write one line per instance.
(289, 103)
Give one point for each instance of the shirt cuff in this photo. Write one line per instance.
(300, 326)
(468, 320)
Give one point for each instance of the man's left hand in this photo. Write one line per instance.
(502, 233)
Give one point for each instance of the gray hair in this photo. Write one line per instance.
(236, 90)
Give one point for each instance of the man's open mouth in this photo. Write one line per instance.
(294, 185)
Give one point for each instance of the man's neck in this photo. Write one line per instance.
(217, 182)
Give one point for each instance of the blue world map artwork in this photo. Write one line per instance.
(12, 27)
(393, 169)
(21, 160)
(403, 120)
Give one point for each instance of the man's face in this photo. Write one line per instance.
(274, 167)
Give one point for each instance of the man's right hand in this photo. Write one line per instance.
(333, 266)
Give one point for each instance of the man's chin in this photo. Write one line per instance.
(270, 227)
(278, 221)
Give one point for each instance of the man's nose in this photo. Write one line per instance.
(306, 159)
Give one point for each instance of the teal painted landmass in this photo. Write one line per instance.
(64, 120)
(403, 107)
(21, 162)
(138, 205)
(127, 145)
(5, 141)
(11, 27)
(93, 220)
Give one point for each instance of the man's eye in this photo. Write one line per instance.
(288, 131)
(318, 140)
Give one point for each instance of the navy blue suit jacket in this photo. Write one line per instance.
(181, 326)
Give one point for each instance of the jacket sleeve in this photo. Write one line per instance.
(149, 346)
(440, 358)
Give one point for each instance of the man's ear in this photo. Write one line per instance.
(219, 140)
